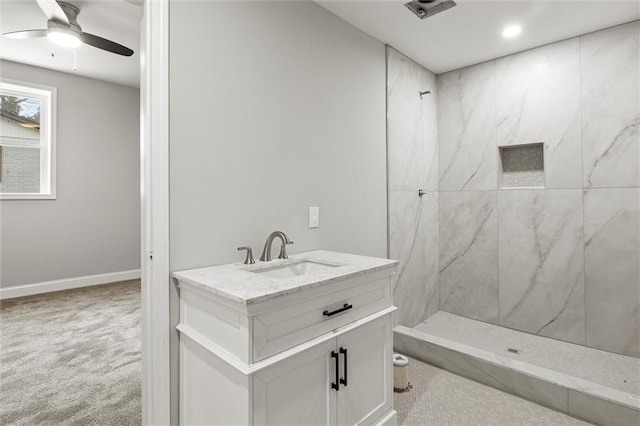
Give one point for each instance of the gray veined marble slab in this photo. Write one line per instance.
(601, 411)
(605, 370)
(612, 269)
(611, 106)
(236, 283)
(594, 401)
(411, 125)
(541, 262)
(538, 100)
(469, 254)
(467, 155)
(413, 239)
(480, 366)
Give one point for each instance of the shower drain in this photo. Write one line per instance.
(513, 350)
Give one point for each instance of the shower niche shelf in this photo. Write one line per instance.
(522, 166)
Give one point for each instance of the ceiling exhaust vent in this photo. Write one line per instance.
(426, 8)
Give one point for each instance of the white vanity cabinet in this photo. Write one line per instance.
(301, 390)
(317, 353)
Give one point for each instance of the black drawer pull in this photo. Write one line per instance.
(345, 307)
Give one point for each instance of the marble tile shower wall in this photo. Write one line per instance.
(412, 162)
(562, 261)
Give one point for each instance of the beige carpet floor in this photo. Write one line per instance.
(72, 357)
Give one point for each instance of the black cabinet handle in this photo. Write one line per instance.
(345, 307)
(336, 385)
(343, 381)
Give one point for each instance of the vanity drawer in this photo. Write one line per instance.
(280, 329)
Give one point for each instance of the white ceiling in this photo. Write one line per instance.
(471, 32)
(115, 20)
(464, 35)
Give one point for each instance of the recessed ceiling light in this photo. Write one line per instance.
(511, 31)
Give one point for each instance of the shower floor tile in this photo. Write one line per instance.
(442, 398)
(605, 368)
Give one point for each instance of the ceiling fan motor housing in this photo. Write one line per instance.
(71, 27)
(71, 12)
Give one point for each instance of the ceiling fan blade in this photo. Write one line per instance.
(52, 9)
(26, 34)
(104, 44)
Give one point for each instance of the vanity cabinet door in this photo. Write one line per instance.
(297, 390)
(367, 394)
(301, 390)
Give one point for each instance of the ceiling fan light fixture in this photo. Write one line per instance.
(63, 29)
(64, 37)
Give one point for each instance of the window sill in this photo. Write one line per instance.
(27, 197)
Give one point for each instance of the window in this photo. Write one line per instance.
(27, 141)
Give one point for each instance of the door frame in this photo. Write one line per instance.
(154, 174)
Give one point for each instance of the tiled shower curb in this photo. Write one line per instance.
(577, 397)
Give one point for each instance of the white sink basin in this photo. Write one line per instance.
(305, 267)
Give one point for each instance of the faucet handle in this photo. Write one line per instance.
(283, 250)
(248, 260)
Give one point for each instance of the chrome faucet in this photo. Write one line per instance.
(266, 252)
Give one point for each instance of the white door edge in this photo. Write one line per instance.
(154, 94)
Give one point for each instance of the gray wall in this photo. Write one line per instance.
(412, 138)
(563, 261)
(281, 108)
(93, 226)
(275, 107)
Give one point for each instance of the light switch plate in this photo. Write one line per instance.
(314, 217)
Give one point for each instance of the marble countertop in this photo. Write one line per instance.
(238, 284)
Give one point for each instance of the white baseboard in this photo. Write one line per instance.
(66, 284)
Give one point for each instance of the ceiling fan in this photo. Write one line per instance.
(64, 30)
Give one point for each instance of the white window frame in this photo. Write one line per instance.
(48, 103)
